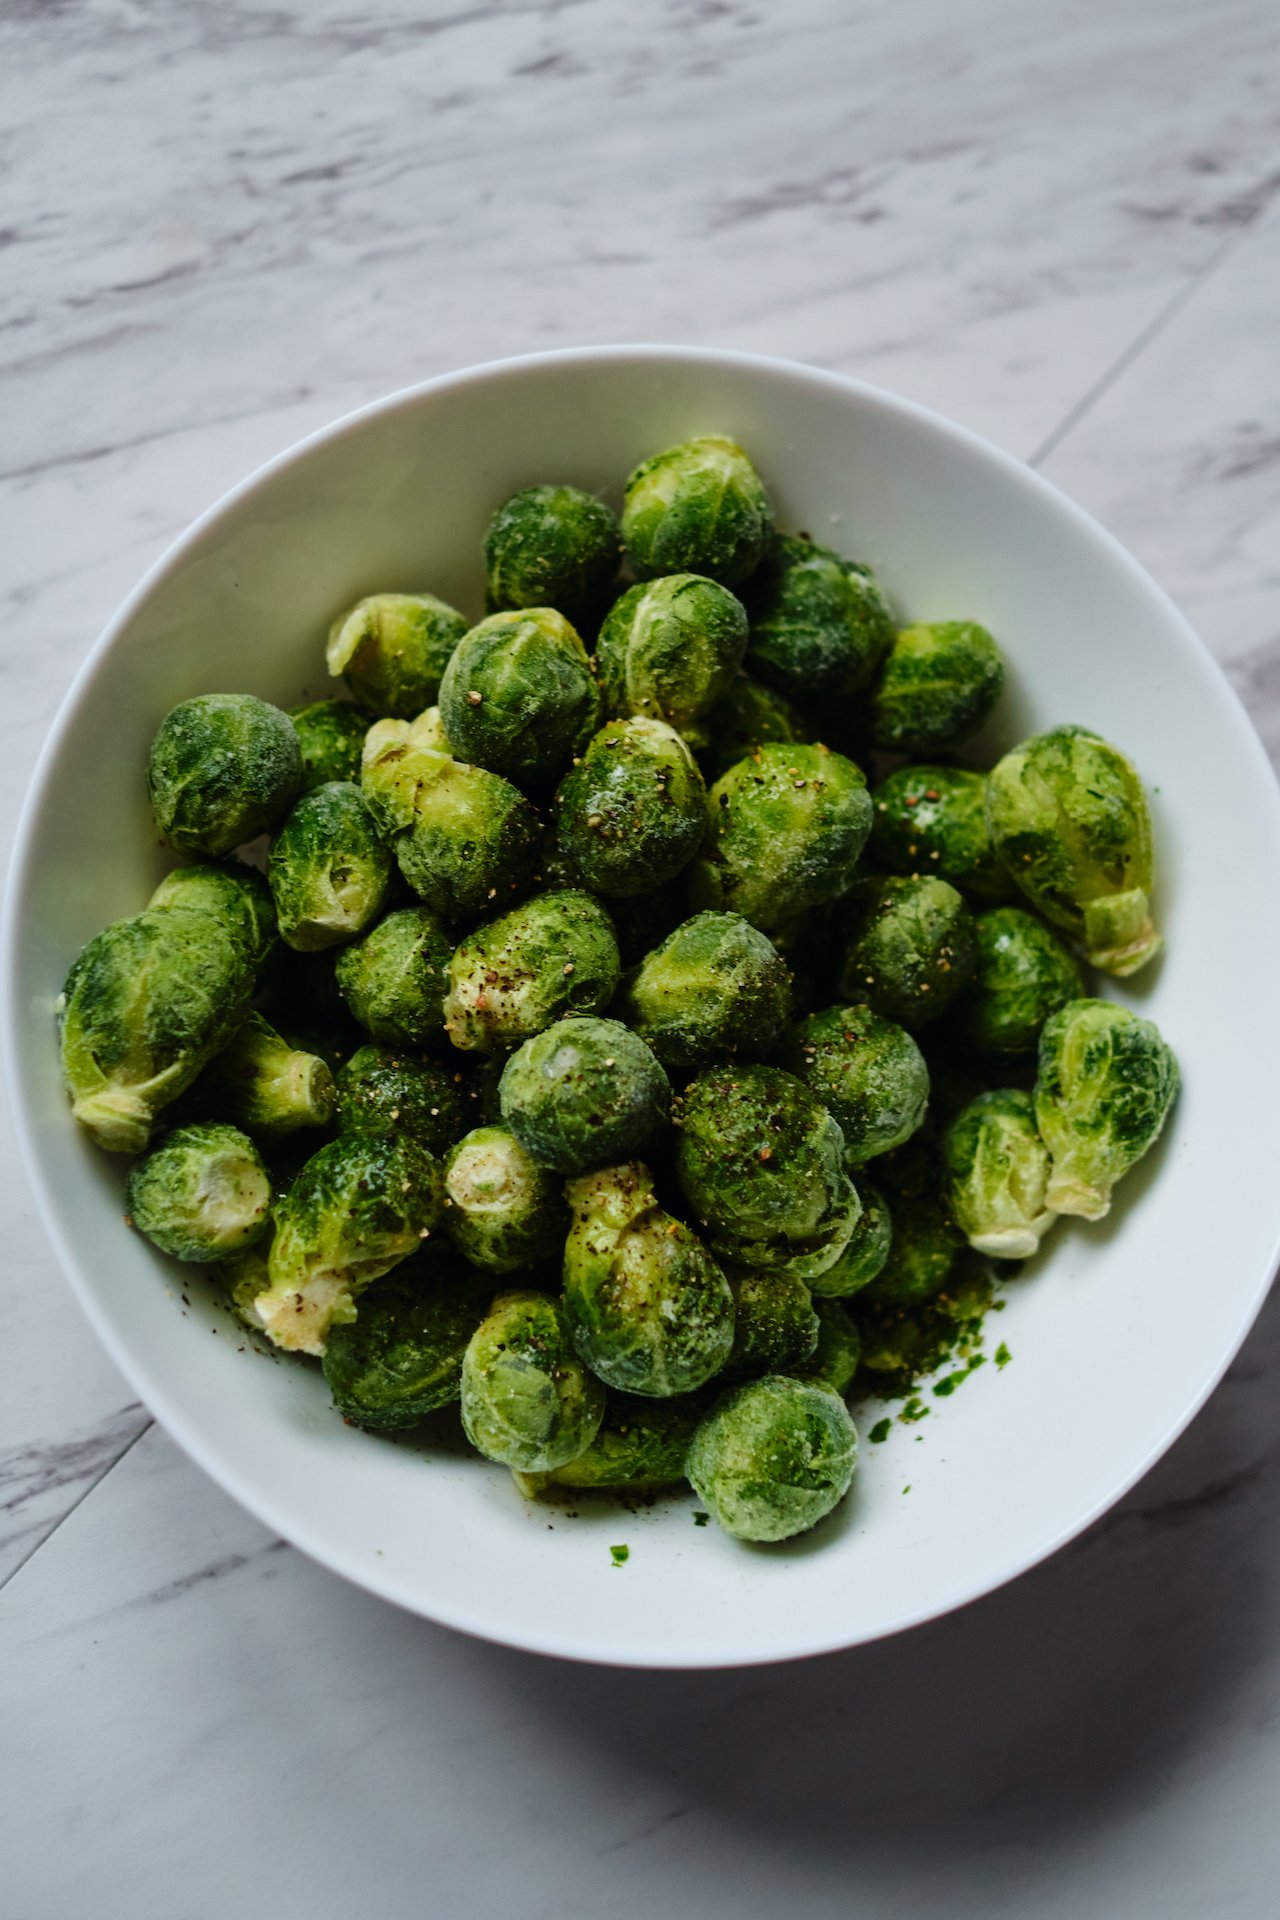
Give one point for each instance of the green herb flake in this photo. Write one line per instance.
(701, 1519)
(914, 1410)
(907, 1488)
(621, 1555)
(879, 1432)
(1003, 1355)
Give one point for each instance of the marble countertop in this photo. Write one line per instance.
(221, 227)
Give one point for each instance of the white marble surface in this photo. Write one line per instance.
(220, 227)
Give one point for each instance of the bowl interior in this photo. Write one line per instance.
(1117, 1331)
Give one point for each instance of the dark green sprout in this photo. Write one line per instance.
(389, 1092)
(1023, 974)
(146, 1005)
(265, 1086)
(394, 980)
(936, 688)
(820, 625)
(237, 894)
(697, 508)
(331, 734)
(839, 1349)
(669, 650)
(773, 1457)
(583, 1092)
(551, 956)
(747, 717)
(714, 986)
(775, 1326)
(649, 1309)
(868, 1073)
(866, 1254)
(527, 1399)
(461, 835)
(519, 697)
(640, 1444)
(504, 1211)
(912, 947)
(1106, 1084)
(997, 1170)
(761, 1163)
(1068, 816)
(224, 768)
(932, 820)
(201, 1195)
(401, 1358)
(632, 812)
(392, 650)
(551, 547)
(330, 870)
(926, 1241)
(787, 826)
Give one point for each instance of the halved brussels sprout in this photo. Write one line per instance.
(551, 547)
(401, 1358)
(201, 1195)
(331, 734)
(224, 768)
(775, 1326)
(583, 1092)
(237, 894)
(330, 871)
(820, 625)
(632, 812)
(504, 1211)
(913, 945)
(551, 956)
(265, 1086)
(867, 1072)
(392, 650)
(669, 650)
(773, 1457)
(997, 1171)
(747, 717)
(1106, 1084)
(697, 508)
(1022, 975)
(394, 980)
(932, 820)
(389, 1092)
(461, 835)
(936, 688)
(519, 697)
(716, 985)
(527, 1399)
(865, 1256)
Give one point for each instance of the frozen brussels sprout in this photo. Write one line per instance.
(773, 1457)
(401, 1357)
(670, 650)
(553, 955)
(1022, 975)
(913, 945)
(866, 1254)
(461, 835)
(1068, 816)
(582, 1092)
(820, 625)
(527, 1399)
(1106, 1083)
(385, 1091)
(787, 826)
(504, 1211)
(997, 1171)
(394, 979)
(202, 1195)
(551, 547)
(519, 697)
(224, 768)
(834, 1361)
(868, 1073)
(775, 1327)
(263, 1085)
(697, 508)
(392, 650)
(237, 894)
(358, 1207)
(925, 1242)
(331, 734)
(932, 820)
(330, 871)
(640, 1443)
(147, 1003)
(936, 688)
(716, 985)
(747, 717)
(761, 1163)
(649, 1309)
(632, 813)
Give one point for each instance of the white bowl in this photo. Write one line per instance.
(1121, 1329)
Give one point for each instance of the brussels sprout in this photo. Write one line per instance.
(839, 1349)
(330, 872)
(913, 946)
(582, 1092)
(527, 1400)
(697, 508)
(926, 1241)
(747, 717)
(937, 686)
(1068, 816)
(775, 1327)
(201, 1195)
(551, 956)
(714, 986)
(866, 1254)
(358, 1207)
(932, 820)
(460, 835)
(669, 651)
(401, 1357)
(387, 1092)
(146, 1004)
(997, 1170)
(504, 1211)
(392, 649)
(761, 1162)
(640, 1443)
(238, 894)
(264, 1086)
(519, 697)
(649, 1309)
(773, 1457)
(331, 734)
(868, 1073)
(394, 980)
(1023, 974)
(224, 768)
(246, 1274)
(632, 813)
(786, 830)
(1106, 1083)
(551, 547)
(820, 625)
(428, 731)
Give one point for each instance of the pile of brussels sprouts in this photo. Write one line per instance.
(549, 1066)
